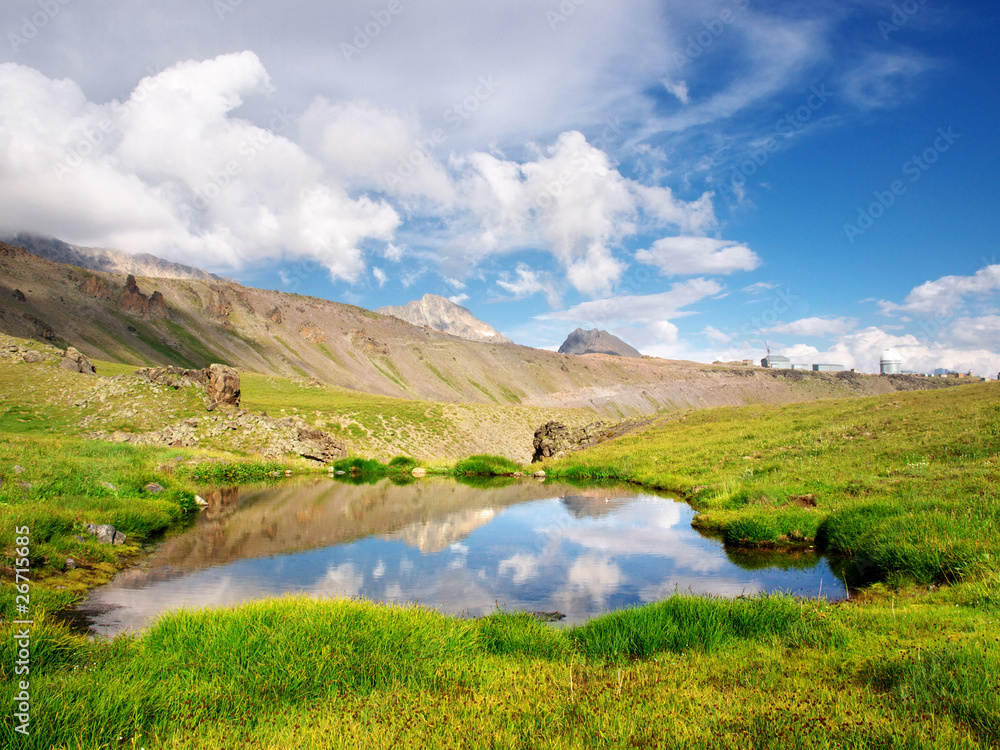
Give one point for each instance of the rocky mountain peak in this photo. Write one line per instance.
(444, 315)
(596, 341)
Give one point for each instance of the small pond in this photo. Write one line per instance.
(539, 546)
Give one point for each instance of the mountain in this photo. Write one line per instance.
(444, 315)
(108, 260)
(192, 323)
(596, 341)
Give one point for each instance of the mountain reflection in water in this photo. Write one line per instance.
(460, 549)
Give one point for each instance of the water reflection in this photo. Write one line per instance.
(446, 545)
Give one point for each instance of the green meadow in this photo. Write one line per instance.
(901, 489)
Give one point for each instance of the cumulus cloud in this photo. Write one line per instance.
(526, 282)
(693, 255)
(173, 172)
(814, 327)
(948, 294)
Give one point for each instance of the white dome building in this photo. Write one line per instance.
(891, 362)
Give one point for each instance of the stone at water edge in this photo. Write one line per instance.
(106, 533)
(539, 474)
(419, 472)
(199, 500)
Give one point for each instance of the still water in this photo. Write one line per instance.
(459, 549)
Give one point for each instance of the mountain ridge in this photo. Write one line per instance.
(196, 322)
(109, 260)
(442, 314)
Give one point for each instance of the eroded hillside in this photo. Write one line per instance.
(192, 323)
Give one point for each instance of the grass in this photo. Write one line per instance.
(903, 487)
(487, 466)
(689, 672)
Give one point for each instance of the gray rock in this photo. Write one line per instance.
(106, 533)
(155, 488)
(74, 361)
(18, 469)
(539, 474)
(70, 563)
(31, 356)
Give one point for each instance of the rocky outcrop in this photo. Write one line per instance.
(135, 302)
(444, 315)
(95, 287)
(596, 341)
(275, 316)
(367, 343)
(42, 329)
(316, 445)
(19, 295)
(221, 383)
(75, 361)
(312, 334)
(554, 439)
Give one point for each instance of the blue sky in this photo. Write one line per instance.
(697, 178)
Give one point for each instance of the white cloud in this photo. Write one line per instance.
(458, 299)
(942, 297)
(527, 282)
(693, 255)
(172, 172)
(883, 79)
(814, 327)
(679, 89)
(760, 286)
(641, 309)
(379, 275)
(716, 336)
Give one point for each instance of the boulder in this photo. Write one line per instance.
(154, 488)
(31, 356)
(555, 439)
(74, 361)
(419, 472)
(106, 533)
(223, 386)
